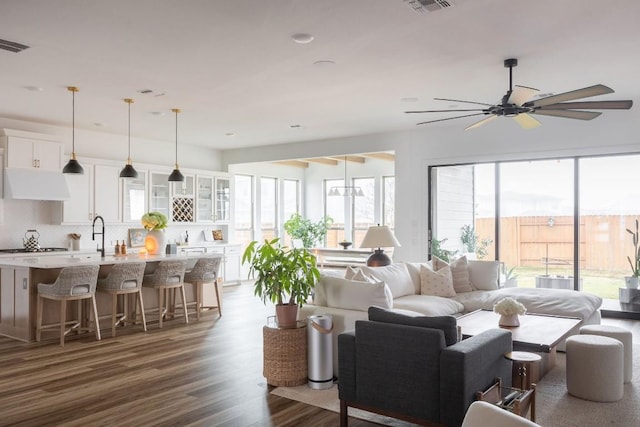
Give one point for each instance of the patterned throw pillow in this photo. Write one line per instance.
(459, 272)
(437, 283)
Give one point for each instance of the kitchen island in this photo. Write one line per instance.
(20, 275)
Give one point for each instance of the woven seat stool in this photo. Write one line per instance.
(124, 279)
(206, 270)
(622, 335)
(595, 367)
(168, 275)
(73, 284)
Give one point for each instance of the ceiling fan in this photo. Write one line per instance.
(518, 104)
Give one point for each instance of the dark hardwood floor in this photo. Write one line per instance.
(207, 373)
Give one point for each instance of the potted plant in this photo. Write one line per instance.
(154, 223)
(509, 276)
(285, 276)
(438, 251)
(632, 281)
(472, 243)
(309, 232)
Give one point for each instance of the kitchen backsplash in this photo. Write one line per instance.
(18, 216)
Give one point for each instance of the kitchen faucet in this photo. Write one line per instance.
(93, 233)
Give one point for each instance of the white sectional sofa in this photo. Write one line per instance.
(416, 289)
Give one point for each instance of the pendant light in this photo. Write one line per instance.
(128, 171)
(346, 190)
(72, 165)
(176, 175)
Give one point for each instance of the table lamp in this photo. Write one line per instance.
(379, 236)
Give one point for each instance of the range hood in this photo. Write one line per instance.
(27, 184)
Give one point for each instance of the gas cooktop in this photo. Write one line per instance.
(24, 251)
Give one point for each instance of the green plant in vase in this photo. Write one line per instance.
(154, 223)
(632, 281)
(311, 233)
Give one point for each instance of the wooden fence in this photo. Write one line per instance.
(528, 241)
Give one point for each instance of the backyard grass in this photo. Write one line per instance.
(605, 284)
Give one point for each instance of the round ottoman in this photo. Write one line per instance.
(622, 335)
(595, 368)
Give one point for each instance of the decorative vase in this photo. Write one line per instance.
(286, 314)
(154, 241)
(631, 282)
(509, 320)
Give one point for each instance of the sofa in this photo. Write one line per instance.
(414, 368)
(434, 289)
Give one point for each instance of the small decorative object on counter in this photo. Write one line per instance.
(509, 309)
(123, 248)
(30, 241)
(155, 223)
(117, 248)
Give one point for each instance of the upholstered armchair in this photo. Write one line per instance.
(413, 368)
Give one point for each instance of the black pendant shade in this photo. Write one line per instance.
(176, 175)
(128, 171)
(72, 166)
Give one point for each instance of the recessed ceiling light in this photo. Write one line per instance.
(34, 88)
(410, 99)
(229, 134)
(295, 126)
(158, 113)
(98, 124)
(302, 38)
(324, 63)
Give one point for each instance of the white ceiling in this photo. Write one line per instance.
(232, 66)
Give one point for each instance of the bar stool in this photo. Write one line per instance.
(205, 271)
(124, 279)
(72, 284)
(167, 275)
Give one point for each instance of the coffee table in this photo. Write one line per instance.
(537, 333)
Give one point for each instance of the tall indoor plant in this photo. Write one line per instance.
(632, 281)
(285, 276)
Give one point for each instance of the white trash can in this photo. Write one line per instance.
(320, 360)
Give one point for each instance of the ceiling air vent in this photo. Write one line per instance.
(422, 6)
(12, 46)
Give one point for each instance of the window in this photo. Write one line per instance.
(244, 232)
(363, 209)
(334, 208)
(388, 201)
(290, 202)
(268, 208)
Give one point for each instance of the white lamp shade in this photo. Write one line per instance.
(379, 236)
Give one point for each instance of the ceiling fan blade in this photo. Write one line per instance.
(592, 105)
(481, 122)
(441, 111)
(569, 114)
(522, 94)
(585, 92)
(450, 118)
(526, 121)
(466, 102)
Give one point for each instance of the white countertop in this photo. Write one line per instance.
(80, 258)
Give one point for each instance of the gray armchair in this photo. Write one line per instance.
(412, 368)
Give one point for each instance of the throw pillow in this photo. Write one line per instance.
(354, 295)
(446, 324)
(459, 273)
(358, 275)
(414, 272)
(484, 275)
(396, 276)
(438, 283)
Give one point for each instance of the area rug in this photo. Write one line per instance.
(554, 406)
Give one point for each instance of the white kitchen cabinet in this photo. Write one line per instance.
(204, 198)
(231, 263)
(174, 199)
(160, 194)
(222, 200)
(28, 153)
(134, 197)
(96, 192)
(213, 199)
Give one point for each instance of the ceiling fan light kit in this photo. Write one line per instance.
(518, 104)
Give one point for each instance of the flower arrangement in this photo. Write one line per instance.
(154, 221)
(508, 307)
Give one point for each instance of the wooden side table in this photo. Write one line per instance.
(522, 400)
(524, 368)
(285, 355)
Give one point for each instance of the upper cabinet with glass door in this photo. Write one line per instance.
(204, 197)
(222, 200)
(160, 194)
(134, 197)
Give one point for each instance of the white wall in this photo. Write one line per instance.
(502, 139)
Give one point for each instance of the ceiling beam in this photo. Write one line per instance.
(353, 159)
(382, 156)
(322, 160)
(294, 163)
